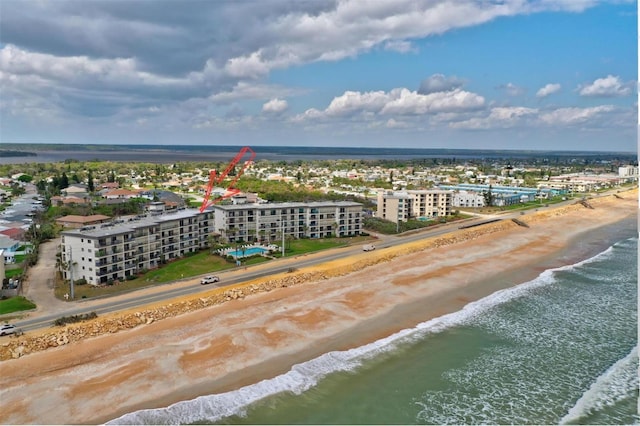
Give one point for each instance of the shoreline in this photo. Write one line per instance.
(400, 318)
(225, 347)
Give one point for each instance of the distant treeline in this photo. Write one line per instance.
(10, 153)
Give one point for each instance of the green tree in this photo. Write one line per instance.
(90, 184)
(488, 197)
(16, 190)
(64, 181)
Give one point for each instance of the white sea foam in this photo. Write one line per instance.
(306, 375)
(612, 386)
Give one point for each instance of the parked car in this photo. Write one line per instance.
(209, 280)
(6, 329)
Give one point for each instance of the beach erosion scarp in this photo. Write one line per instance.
(229, 337)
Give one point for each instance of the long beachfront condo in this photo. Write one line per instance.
(123, 248)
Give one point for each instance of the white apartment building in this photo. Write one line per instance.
(467, 199)
(578, 182)
(628, 172)
(268, 222)
(114, 251)
(405, 205)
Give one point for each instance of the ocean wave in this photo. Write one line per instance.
(304, 376)
(615, 384)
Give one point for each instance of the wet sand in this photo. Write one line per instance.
(240, 342)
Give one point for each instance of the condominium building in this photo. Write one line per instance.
(114, 251)
(468, 199)
(410, 204)
(628, 172)
(268, 222)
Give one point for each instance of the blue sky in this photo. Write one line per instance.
(477, 74)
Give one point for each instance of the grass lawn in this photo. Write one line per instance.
(310, 245)
(15, 304)
(187, 267)
(198, 264)
(10, 273)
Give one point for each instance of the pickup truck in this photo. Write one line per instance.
(368, 247)
(209, 280)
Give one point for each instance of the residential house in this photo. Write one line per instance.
(9, 246)
(14, 233)
(120, 194)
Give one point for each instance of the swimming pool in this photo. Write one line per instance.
(250, 251)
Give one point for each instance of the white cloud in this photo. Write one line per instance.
(548, 89)
(79, 69)
(401, 46)
(354, 102)
(405, 101)
(310, 114)
(439, 83)
(499, 117)
(395, 124)
(609, 86)
(245, 90)
(399, 101)
(568, 116)
(250, 66)
(78, 59)
(275, 106)
(511, 89)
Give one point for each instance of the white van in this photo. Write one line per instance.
(368, 247)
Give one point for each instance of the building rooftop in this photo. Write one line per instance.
(122, 226)
(72, 218)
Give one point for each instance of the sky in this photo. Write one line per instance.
(463, 74)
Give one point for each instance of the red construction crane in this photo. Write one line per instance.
(215, 179)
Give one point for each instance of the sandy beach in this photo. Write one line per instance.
(224, 347)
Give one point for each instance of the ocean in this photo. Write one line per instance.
(559, 349)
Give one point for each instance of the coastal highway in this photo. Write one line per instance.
(139, 298)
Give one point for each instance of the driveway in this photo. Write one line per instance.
(39, 283)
